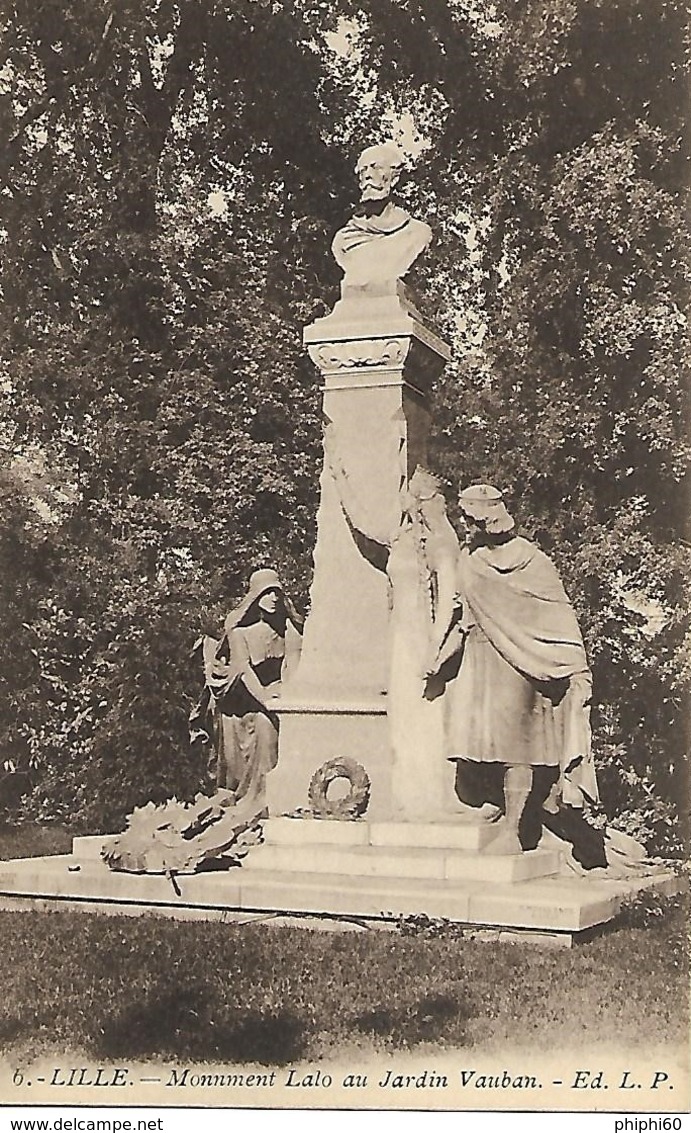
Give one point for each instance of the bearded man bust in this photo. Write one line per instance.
(381, 241)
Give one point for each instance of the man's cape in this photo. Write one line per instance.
(515, 594)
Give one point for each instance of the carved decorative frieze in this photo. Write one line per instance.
(359, 353)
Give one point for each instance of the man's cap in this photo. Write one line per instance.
(485, 503)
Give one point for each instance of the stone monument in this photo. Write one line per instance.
(361, 703)
(378, 358)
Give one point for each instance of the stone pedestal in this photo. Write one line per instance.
(365, 871)
(378, 360)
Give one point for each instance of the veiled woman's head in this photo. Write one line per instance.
(264, 600)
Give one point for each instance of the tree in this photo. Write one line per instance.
(172, 176)
(574, 398)
(152, 348)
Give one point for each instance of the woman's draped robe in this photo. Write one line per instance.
(246, 746)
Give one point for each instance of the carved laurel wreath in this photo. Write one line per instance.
(352, 805)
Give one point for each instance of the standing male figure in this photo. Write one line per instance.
(520, 697)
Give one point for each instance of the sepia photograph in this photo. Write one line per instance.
(345, 556)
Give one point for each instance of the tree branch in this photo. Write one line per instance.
(47, 101)
(159, 104)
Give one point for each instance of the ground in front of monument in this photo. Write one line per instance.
(147, 988)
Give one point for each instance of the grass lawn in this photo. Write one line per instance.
(114, 987)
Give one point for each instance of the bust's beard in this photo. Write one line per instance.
(373, 206)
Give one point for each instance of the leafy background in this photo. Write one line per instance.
(170, 178)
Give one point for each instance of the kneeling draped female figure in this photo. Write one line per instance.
(243, 676)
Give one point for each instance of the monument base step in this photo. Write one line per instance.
(416, 851)
(552, 905)
(447, 832)
(416, 865)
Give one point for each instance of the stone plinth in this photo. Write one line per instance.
(378, 361)
(486, 894)
(317, 730)
(438, 852)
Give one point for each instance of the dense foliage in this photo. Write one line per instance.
(170, 178)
